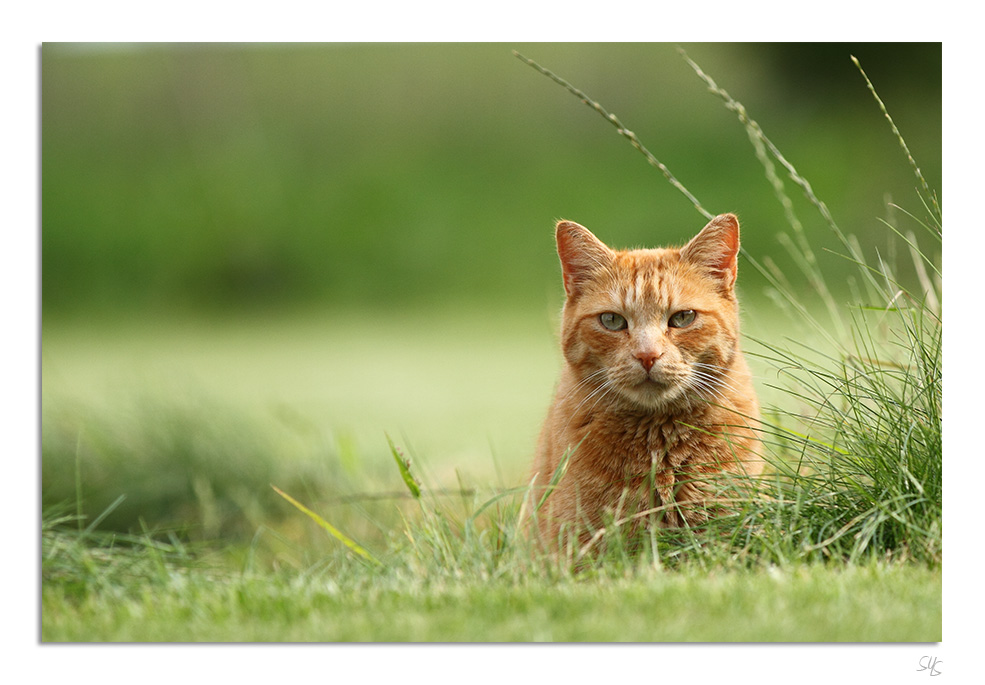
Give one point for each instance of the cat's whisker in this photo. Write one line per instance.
(718, 391)
(703, 383)
(606, 385)
(715, 379)
(587, 380)
(710, 365)
(698, 372)
(711, 388)
(713, 367)
(726, 369)
(703, 393)
(601, 373)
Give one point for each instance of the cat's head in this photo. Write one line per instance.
(653, 328)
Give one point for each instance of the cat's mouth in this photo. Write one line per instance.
(653, 394)
(655, 387)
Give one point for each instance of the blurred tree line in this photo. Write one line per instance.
(236, 177)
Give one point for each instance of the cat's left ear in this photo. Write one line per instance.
(716, 249)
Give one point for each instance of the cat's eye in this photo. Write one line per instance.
(613, 321)
(682, 319)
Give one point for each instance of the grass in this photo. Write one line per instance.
(163, 603)
(843, 544)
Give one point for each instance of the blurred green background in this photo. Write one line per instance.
(231, 178)
(256, 259)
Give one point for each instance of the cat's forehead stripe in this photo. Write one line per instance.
(640, 279)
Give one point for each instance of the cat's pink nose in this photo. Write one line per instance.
(647, 359)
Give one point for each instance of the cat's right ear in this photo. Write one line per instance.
(581, 254)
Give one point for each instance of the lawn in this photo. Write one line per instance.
(867, 604)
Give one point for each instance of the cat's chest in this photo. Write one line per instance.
(632, 444)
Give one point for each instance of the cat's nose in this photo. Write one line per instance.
(648, 359)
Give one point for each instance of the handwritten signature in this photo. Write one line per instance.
(930, 663)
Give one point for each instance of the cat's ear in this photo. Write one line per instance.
(581, 253)
(716, 248)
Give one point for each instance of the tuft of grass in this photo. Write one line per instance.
(200, 472)
(85, 562)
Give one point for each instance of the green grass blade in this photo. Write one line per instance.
(106, 512)
(332, 530)
(404, 465)
(562, 468)
(899, 137)
(495, 498)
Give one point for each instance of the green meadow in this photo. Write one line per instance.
(328, 271)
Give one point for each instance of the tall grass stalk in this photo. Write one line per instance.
(623, 131)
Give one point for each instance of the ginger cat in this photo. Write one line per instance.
(655, 395)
